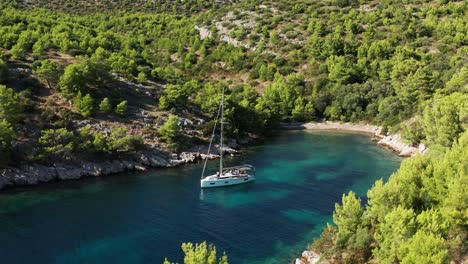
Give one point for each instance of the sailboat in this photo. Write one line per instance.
(230, 175)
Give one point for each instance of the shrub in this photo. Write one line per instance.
(105, 105)
(170, 131)
(119, 141)
(121, 108)
(58, 143)
(86, 106)
(201, 254)
(9, 105)
(7, 135)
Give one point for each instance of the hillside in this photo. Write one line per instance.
(97, 80)
(179, 6)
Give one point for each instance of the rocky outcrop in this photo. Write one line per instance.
(396, 143)
(308, 257)
(35, 173)
(153, 157)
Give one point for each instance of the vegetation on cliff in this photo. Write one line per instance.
(340, 60)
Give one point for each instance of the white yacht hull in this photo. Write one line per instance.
(214, 181)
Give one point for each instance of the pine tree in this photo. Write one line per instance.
(121, 108)
(105, 105)
(87, 106)
(170, 131)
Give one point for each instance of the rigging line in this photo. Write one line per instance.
(211, 141)
(221, 147)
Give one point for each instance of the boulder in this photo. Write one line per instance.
(139, 167)
(93, 169)
(116, 166)
(229, 150)
(128, 165)
(158, 161)
(24, 178)
(308, 257)
(106, 168)
(209, 156)
(176, 162)
(189, 157)
(144, 159)
(6, 178)
(42, 173)
(64, 173)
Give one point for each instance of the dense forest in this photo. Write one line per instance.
(100, 79)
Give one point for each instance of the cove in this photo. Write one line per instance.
(142, 218)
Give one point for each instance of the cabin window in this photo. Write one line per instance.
(226, 182)
(212, 183)
(246, 179)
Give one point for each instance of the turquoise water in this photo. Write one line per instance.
(142, 218)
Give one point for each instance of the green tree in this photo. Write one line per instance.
(18, 52)
(105, 105)
(201, 254)
(142, 78)
(7, 135)
(58, 143)
(458, 82)
(177, 94)
(49, 72)
(341, 69)
(348, 217)
(73, 80)
(170, 131)
(9, 105)
(425, 247)
(445, 119)
(87, 106)
(120, 142)
(398, 226)
(3, 71)
(101, 143)
(122, 108)
(164, 103)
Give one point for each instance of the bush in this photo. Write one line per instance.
(120, 142)
(7, 135)
(9, 105)
(170, 131)
(200, 254)
(58, 143)
(105, 105)
(86, 106)
(3, 71)
(164, 103)
(49, 72)
(121, 108)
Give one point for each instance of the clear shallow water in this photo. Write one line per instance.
(142, 218)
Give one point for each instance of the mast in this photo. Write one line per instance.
(211, 140)
(221, 141)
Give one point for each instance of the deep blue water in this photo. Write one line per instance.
(142, 218)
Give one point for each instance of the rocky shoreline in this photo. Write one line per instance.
(32, 174)
(392, 141)
(308, 257)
